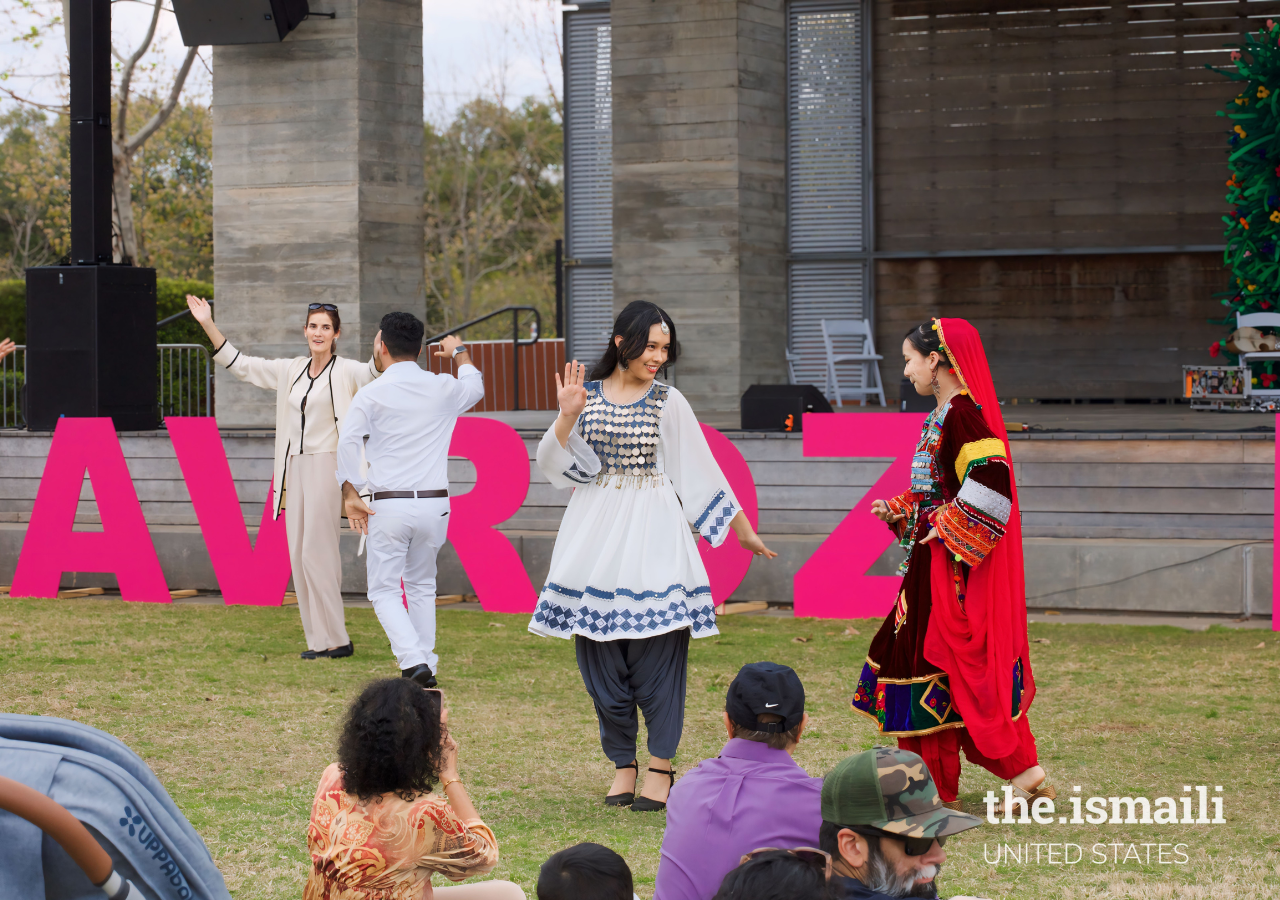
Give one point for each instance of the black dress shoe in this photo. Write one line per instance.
(339, 652)
(421, 674)
(310, 654)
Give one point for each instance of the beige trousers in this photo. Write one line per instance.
(313, 522)
(480, 890)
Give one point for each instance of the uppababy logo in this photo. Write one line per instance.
(147, 838)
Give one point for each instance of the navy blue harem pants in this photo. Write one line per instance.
(648, 673)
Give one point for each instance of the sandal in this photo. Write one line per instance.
(625, 798)
(644, 804)
(1043, 789)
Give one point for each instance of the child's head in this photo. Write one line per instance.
(585, 872)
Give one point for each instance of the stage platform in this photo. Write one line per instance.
(1126, 508)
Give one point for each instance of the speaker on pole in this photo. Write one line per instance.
(221, 22)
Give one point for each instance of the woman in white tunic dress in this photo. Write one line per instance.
(626, 581)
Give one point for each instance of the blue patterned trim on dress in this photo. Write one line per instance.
(639, 596)
(713, 521)
(626, 623)
(573, 473)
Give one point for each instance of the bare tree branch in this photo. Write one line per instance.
(126, 73)
(35, 103)
(162, 114)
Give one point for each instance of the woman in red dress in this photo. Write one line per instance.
(949, 669)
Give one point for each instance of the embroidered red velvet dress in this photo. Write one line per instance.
(961, 483)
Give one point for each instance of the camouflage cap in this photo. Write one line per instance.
(892, 790)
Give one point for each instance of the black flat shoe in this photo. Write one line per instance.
(422, 674)
(644, 804)
(339, 652)
(310, 654)
(625, 798)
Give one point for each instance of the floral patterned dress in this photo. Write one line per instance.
(960, 484)
(388, 849)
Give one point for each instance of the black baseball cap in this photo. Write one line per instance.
(765, 688)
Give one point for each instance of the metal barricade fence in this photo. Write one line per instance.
(13, 374)
(185, 382)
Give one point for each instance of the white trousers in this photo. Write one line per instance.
(313, 522)
(404, 537)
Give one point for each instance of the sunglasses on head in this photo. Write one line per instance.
(912, 846)
(325, 306)
(819, 859)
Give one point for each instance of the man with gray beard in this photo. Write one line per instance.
(884, 825)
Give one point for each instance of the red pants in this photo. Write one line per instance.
(941, 753)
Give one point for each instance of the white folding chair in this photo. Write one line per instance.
(1259, 320)
(864, 355)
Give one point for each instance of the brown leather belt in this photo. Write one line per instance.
(409, 495)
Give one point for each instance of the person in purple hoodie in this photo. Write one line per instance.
(752, 795)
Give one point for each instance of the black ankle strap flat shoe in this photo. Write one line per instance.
(644, 804)
(625, 798)
(339, 652)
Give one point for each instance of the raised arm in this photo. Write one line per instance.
(202, 312)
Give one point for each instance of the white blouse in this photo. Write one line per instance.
(625, 563)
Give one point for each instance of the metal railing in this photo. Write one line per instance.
(515, 339)
(13, 375)
(184, 382)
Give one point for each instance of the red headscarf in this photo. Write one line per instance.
(976, 644)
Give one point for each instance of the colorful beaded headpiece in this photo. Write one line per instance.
(955, 365)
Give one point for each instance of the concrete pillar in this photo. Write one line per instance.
(317, 185)
(699, 154)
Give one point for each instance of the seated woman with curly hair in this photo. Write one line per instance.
(377, 832)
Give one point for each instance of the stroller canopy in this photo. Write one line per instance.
(111, 790)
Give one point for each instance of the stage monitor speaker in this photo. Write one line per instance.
(910, 401)
(91, 346)
(222, 22)
(780, 407)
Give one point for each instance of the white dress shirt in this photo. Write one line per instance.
(404, 420)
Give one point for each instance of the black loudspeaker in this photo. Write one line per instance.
(91, 346)
(910, 401)
(221, 22)
(780, 407)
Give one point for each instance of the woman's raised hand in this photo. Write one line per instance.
(570, 393)
(201, 311)
(6, 347)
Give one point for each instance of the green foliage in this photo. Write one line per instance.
(494, 206)
(173, 193)
(171, 298)
(35, 202)
(13, 310)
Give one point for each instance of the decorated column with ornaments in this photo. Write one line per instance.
(1253, 191)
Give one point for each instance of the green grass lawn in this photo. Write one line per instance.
(239, 728)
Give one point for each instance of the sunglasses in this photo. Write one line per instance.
(325, 306)
(912, 846)
(818, 859)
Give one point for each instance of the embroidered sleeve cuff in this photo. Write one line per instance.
(713, 523)
(900, 505)
(968, 536)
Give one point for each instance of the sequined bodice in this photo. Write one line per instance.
(624, 437)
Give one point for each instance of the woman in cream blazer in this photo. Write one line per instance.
(312, 396)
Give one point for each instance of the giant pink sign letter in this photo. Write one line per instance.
(727, 564)
(1275, 538)
(502, 483)
(123, 546)
(832, 584)
(247, 574)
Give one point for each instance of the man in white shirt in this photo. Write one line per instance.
(405, 421)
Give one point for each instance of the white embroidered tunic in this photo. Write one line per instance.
(625, 563)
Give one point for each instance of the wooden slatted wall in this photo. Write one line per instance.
(1014, 124)
(539, 364)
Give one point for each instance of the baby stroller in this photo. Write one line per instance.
(152, 852)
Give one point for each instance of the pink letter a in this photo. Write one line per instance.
(123, 546)
(247, 574)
